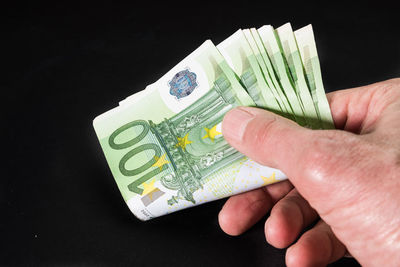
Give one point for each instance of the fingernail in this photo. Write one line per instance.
(266, 230)
(235, 123)
(291, 259)
(289, 249)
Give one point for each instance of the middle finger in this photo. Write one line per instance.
(288, 218)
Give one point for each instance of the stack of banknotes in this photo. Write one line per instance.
(165, 146)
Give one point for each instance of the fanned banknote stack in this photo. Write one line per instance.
(164, 145)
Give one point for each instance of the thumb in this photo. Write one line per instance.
(266, 137)
(314, 160)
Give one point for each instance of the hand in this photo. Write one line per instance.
(348, 178)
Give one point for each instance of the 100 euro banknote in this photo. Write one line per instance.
(165, 147)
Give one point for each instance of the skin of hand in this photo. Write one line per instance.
(349, 179)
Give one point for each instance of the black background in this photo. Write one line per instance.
(64, 64)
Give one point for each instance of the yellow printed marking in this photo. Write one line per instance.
(160, 161)
(148, 187)
(211, 133)
(269, 180)
(183, 141)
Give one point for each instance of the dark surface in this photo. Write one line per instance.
(66, 63)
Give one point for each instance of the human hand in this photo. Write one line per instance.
(350, 178)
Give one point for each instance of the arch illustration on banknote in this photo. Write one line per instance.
(192, 142)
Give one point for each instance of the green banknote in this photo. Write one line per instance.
(133, 97)
(272, 46)
(268, 71)
(257, 55)
(295, 65)
(240, 57)
(308, 51)
(165, 147)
